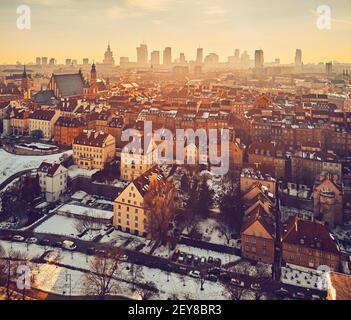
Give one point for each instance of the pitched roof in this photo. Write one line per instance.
(313, 234)
(70, 85)
(259, 214)
(340, 285)
(45, 97)
(49, 168)
(45, 115)
(91, 138)
(142, 182)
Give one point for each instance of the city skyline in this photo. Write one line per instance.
(79, 31)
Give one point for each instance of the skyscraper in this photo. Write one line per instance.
(237, 54)
(38, 61)
(167, 56)
(298, 58)
(199, 55)
(259, 59)
(155, 58)
(85, 61)
(44, 61)
(52, 62)
(108, 57)
(329, 68)
(142, 55)
(182, 58)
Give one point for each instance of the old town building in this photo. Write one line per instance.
(93, 149)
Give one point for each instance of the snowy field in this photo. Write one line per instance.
(86, 211)
(52, 278)
(66, 226)
(11, 163)
(210, 231)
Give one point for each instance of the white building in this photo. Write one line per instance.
(52, 180)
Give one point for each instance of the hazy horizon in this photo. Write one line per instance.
(80, 29)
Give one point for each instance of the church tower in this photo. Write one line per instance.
(25, 84)
(93, 75)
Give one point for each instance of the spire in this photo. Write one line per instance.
(24, 74)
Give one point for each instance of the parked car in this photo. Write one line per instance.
(7, 238)
(224, 276)
(215, 271)
(196, 261)
(44, 242)
(212, 277)
(195, 273)
(217, 262)
(58, 244)
(255, 286)
(281, 293)
(315, 297)
(203, 260)
(69, 245)
(298, 295)
(237, 282)
(189, 259)
(32, 240)
(181, 257)
(210, 260)
(18, 238)
(182, 270)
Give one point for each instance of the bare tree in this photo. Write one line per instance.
(159, 204)
(9, 266)
(87, 222)
(104, 269)
(136, 273)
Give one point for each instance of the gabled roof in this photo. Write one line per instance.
(312, 234)
(49, 168)
(70, 85)
(44, 97)
(45, 115)
(142, 182)
(260, 215)
(91, 138)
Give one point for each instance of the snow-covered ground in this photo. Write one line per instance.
(52, 278)
(209, 228)
(74, 171)
(128, 241)
(302, 277)
(78, 210)
(64, 226)
(11, 163)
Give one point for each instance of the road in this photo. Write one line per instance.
(151, 261)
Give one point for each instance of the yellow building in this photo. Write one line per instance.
(130, 214)
(44, 121)
(92, 149)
